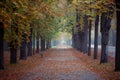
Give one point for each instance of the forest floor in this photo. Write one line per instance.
(60, 64)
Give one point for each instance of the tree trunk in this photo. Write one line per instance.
(37, 45)
(73, 41)
(79, 42)
(117, 56)
(86, 34)
(29, 44)
(13, 55)
(23, 48)
(42, 44)
(1, 46)
(96, 37)
(105, 27)
(33, 43)
(77, 39)
(48, 44)
(13, 44)
(81, 38)
(89, 47)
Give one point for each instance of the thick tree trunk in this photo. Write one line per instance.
(23, 48)
(96, 38)
(42, 44)
(13, 55)
(81, 38)
(13, 44)
(29, 44)
(86, 34)
(89, 47)
(76, 34)
(117, 56)
(1, 46)
(105, 27)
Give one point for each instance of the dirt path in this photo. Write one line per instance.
(61, 64)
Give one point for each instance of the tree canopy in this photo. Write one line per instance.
(47, 17)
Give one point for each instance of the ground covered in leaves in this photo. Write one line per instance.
(60, 64)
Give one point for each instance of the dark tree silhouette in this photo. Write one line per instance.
(33, 42)
(1, 46)
(23, 48)
(85, 34)
(105, 27)
(89, 47)
(73, 38)
(13, 54)
(77, 39)
(13, 44)
(37, 43)
(80, 36)
(42, 44)
(96, 37)
(117, 56)
(29, 44)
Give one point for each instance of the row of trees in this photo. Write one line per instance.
(25, 21)
(88, 14)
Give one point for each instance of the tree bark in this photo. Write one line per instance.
(23, 48)
(86, 34)
(13, 55)
(117, 56)
(29, 44)
(89, 47)
(96, 38)
(81, 38)
(13, 44)
(42, 44)
(105, 27)
(1, 46)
